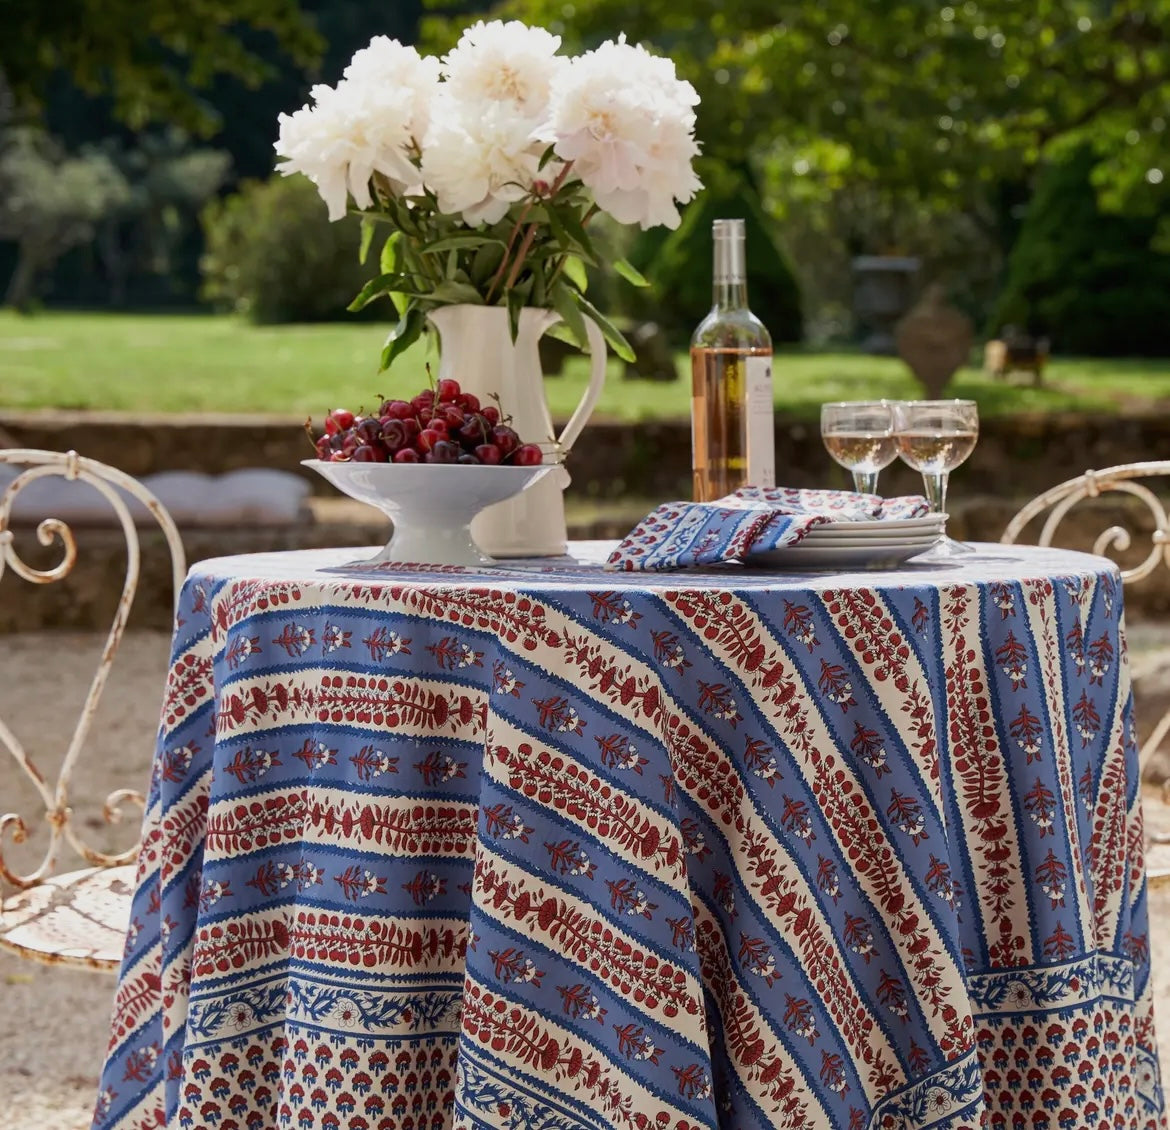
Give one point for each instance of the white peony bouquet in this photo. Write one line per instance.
(487, 166)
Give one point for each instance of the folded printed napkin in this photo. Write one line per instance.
(752, 520)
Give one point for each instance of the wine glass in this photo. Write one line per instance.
(934, 437)
(859, 434)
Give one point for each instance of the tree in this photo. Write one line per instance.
(272, 254)
(1088, 280)
(151, 59)
(50, 202)
(931, 100)
(149, 236)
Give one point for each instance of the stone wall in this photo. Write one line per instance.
(1016, 456)
(618, 471)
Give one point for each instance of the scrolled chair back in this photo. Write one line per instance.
(79, 917)
(1124, 479)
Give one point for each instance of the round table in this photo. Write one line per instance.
(549, 846)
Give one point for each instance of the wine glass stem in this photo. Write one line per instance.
(936, 490)
(865, 481)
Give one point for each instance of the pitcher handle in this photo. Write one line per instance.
(584, 410)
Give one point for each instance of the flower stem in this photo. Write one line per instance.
(500, 271)
(526, 245)
(521, 254)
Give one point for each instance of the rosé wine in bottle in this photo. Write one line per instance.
(732, 439)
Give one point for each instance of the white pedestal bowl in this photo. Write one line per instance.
(430, 504)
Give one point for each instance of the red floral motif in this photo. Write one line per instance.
(182, 831)
(245, 598)
(752, 1048)
(834, 684)
(557, 713)
(618, 752)
(613, 608)
(1012, 656)
(1086, 719)
(1106, 849)
(361, 699)
(232, 945)
(451, 653)
(980, 770)
(875, 638)
(556, 781)
(189, 685)
(511, 1030)
(716, 699)
(616, 682)
(137, 996)
(868, 746)
(351, 940)
(398, 824)
(1040, 594)
(261, 822)
(871, 632)
(654, 984)
(724, 621)
(798, 623)
(669, 651)
(384, 642)
(511, 616)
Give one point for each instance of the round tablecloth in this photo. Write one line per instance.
(545, 846)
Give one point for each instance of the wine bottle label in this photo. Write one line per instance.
(761, 437)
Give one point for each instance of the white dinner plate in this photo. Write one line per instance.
(845, 536)
(866, 543)
(928, 524)
(871, 555)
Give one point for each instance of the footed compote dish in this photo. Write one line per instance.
(430, 504)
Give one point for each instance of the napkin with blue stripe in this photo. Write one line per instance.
(752, 520)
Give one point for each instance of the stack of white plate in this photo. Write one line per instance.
(877, 542)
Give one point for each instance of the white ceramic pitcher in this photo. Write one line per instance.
(476, 349)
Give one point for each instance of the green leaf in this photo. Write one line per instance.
(570, 312)
(517, 300)
(630, 273)
(546, 156)
(457, 242)
(576, 274)
(577, 233)
(451, 291)
(404, 334)
(609, 331)
(392, 260)
(487, 261)
(563, 224)
(379, 286)
(391, 257)
(367, 238)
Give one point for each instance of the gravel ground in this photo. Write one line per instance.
(54, 1022)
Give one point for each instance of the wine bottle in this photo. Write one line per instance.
(732, 439)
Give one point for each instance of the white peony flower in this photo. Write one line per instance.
(627, 122)
(509, 63)
(350, 132)
(388, 63)
(478, 159)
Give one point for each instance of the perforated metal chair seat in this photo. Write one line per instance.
(78, 918)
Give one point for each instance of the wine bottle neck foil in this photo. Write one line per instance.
(730, 248)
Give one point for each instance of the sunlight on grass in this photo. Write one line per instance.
(179, 363)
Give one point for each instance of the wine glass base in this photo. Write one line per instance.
(946, 551)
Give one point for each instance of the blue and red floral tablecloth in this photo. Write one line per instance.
(549, 847)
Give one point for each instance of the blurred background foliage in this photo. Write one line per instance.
(1016, 149)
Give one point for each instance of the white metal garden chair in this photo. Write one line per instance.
(78, 918)
(1114, 539)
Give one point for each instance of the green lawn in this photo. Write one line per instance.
(168, 363)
